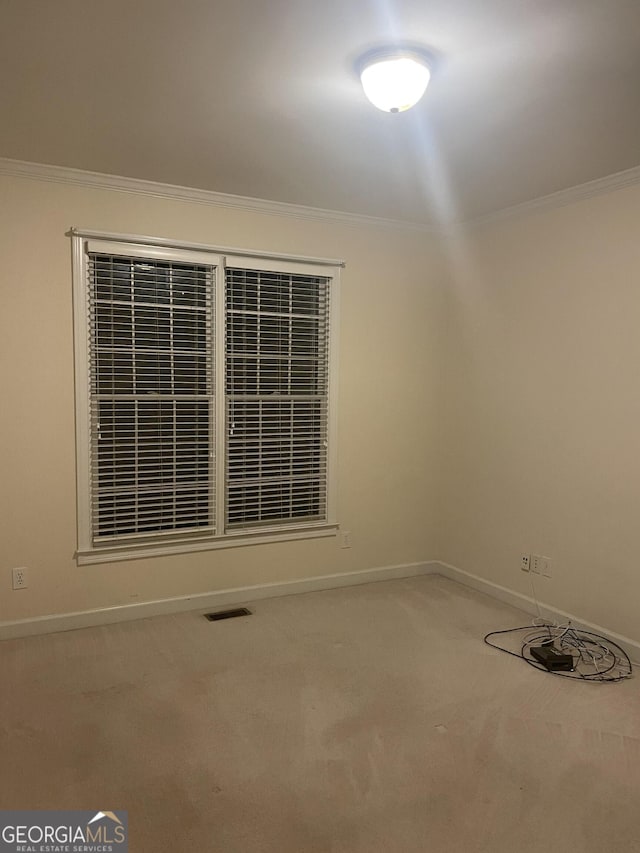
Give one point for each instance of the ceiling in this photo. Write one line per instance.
(259, 98)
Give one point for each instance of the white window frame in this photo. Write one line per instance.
(83, 242)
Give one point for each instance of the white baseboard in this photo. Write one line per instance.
(242, 595)
(528, 604)
(204, 600)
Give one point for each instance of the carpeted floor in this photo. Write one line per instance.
(356, 720)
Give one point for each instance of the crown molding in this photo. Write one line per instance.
(561, 198)
(137, 186)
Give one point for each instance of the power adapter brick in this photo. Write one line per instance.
(552, 659)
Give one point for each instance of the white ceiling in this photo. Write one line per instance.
(259, 98)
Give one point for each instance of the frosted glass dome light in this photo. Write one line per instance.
(394, 81)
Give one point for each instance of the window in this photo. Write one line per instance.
(205, 388)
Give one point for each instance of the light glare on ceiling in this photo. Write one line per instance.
(394, 82)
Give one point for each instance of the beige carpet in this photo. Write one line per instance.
(351, 721)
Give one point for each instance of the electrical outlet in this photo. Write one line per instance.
(345, 539)
(541, 565)
(19, 577)
(525, 563)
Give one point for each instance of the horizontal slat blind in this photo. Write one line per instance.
(277, 327)
(151, 397)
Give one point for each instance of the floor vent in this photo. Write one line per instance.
(227, 614)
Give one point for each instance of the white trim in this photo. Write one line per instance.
(162, 244)
(526, 603)
(204, 601)
(137, 186)
(156, 250)
(220, 396)
(561, 198)
(242, 595)
(81, 349)
(332, 399)
(317, 268)
(95, 556)
(86, 242)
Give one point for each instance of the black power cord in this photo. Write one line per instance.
(594, 657)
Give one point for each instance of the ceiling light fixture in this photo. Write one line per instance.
(394, 78)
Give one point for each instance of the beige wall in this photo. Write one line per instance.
(387, 409)
(541, 406)
(489, 405)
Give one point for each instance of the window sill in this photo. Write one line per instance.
(137, 552)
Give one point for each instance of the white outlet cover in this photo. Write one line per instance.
(345, 539)
(541, 565)
(19, 577)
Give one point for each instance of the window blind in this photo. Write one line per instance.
(277, 327)
(151, 397)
